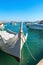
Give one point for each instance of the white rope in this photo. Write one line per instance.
(29, 50)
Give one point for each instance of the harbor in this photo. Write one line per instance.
(21, 32)
(32, 50)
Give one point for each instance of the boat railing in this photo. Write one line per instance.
(11, 32)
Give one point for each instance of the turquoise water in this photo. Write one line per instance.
(6, 59)
(32, 50)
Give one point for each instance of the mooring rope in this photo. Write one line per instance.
(29, 50)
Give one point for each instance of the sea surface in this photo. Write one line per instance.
(32, 50)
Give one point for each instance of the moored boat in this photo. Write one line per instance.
(35, 25)
(12, 43)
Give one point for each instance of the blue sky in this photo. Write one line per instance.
(25, 10)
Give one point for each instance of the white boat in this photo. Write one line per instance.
(1, 26)
(35, 25)
(13, 23)
(12, 43)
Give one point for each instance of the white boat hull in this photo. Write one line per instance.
(12, 50)
(13, 46)
(36, 26)
(12, 43)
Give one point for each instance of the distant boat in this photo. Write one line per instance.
(35, 25)
(13, 22)
(1, 26)
(12, 43)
